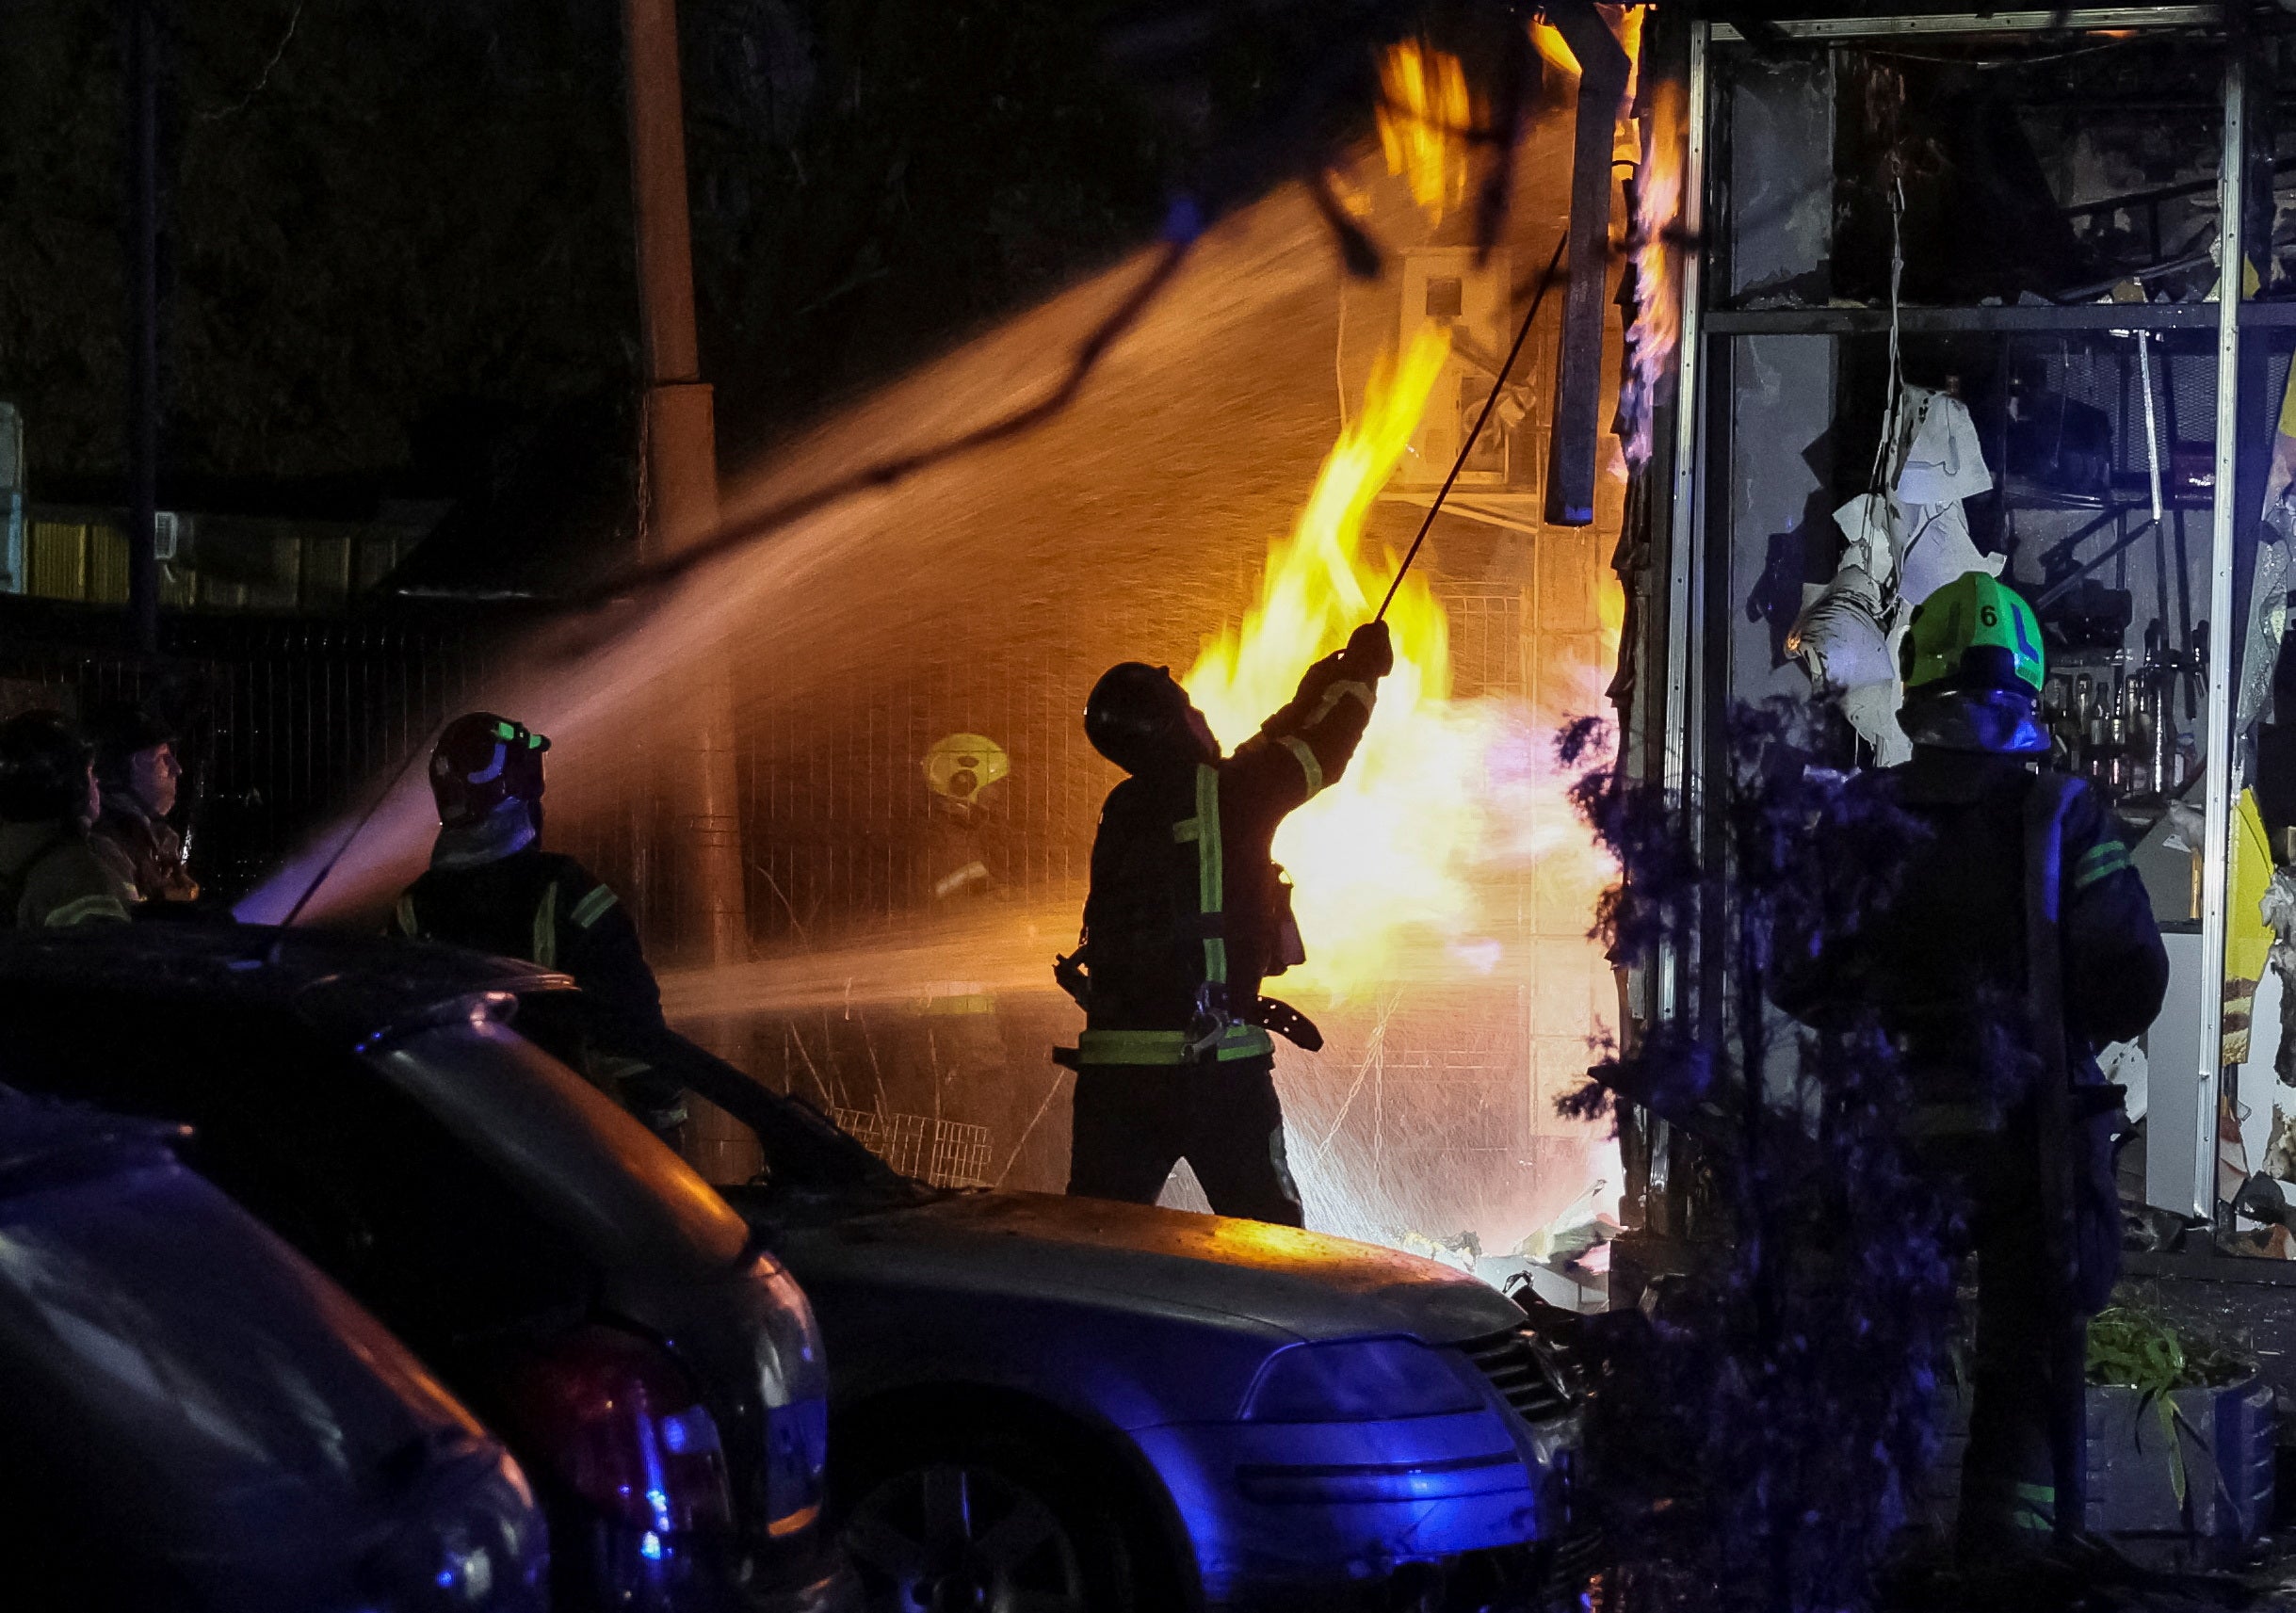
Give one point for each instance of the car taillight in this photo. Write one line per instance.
(614, 1419)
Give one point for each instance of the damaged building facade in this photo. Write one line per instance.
(1952, 297)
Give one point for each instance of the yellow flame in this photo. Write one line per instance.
(1392, 844)
(1424, 114)
(1553, 48)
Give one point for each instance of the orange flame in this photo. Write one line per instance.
(1657, 328)
(1553, 48)
(1424, 114)
(1389, 854)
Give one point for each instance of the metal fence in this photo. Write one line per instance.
(280, 722)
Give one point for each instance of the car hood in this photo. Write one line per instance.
(1117, 1257)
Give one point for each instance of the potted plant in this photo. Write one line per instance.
(2180, 1433)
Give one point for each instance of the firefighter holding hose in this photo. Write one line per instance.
(492, 888)
(2018, 940)
(1187, 915)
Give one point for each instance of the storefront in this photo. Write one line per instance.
(1948, 288)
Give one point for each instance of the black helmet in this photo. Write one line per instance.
(121, 729)
(1137, 716)
(43, 768)
(481, 761)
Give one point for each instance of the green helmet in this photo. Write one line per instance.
(1974, 632)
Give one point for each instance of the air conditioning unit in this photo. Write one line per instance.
(1448, 285)
(169, 533)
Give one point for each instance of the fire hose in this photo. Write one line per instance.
(1498, 384)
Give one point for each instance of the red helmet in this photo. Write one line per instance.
(481, 761)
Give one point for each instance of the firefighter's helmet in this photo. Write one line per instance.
(963, 765)
(1975, 633)
(481, 761)
(1137, 716)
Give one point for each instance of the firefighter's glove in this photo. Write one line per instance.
(1371, 652)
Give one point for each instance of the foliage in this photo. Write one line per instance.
(2136, 1347)
(1778, 1409)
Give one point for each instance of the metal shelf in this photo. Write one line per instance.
(2008, 318)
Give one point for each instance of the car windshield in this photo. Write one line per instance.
(803, 1147)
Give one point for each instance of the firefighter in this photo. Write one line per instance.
(958, 772)
(492, 887)
(49, 876)
(1187, 913)
(2015, 942)
(138, 770)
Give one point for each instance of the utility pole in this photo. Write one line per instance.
(141, 81)
(681, 469)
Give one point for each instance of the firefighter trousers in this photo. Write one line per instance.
(1134, 1121)
(2008, 1483)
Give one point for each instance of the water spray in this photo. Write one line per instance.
(1498, 384)
(389, 788)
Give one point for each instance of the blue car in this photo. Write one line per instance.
(195, 1418)
(1061, 1403)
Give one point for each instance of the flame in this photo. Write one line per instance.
(1627, 23)
(1424, 114)
(1391, 848)
(1553, 48)
(1657, 328)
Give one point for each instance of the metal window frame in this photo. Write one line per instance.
(1685, 589)
(2081, 19)
(1686, 668)
(2223, 630)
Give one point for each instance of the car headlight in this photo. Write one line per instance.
(1359, 1381)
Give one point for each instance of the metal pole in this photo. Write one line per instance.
(144, 331)
(2217, 840)
(682, 481)
(1685, 709)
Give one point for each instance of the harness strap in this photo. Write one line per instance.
(1169, 1047)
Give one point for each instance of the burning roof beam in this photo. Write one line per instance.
(1577, 398)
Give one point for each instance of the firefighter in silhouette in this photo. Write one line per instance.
(492, 887)
(2016, 941)
(1187, 915)
(51, 877)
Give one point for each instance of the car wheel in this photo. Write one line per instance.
(985, 1521)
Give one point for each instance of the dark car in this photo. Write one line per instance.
(656, 1370)
(1039, 1402)
(194, 1418)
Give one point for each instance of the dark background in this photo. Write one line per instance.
(397, 257)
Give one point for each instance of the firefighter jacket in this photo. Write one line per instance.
(51, 879)
(144, 849)
(1941, 962)
(1187, 912)
(1946, 947)
(546, 908)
